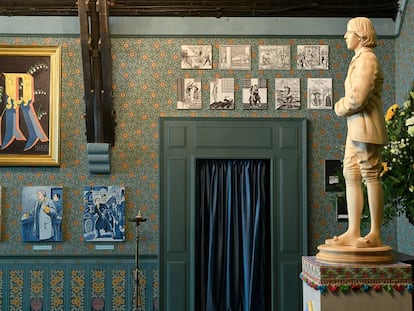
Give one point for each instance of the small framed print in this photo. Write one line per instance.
(222, 94)
(312, 57)
(341, 208)
(189, 93)
(235, 57)
(287, 93)
(333, 176)
(274, 57)
(196, 56)
(254, 93)
(319, 93)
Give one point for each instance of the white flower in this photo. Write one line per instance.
(409, 121)
(410, 130)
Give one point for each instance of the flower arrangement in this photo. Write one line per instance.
(398, 160)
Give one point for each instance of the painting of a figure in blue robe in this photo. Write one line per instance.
(42, 212)
(104, 214)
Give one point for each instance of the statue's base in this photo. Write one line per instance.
(356, 287)
(350, 254)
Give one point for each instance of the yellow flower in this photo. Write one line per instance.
(391, 112)
(384, 168)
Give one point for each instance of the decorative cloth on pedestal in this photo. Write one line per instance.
(327, 277)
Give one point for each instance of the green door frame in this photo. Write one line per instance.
(182, 141)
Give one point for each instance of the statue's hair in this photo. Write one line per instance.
(364, 28)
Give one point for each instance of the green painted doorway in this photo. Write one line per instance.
(184, 140)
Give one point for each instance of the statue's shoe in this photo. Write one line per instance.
(337, 241)
(364, 242)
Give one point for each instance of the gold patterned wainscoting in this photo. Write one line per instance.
(94, 283)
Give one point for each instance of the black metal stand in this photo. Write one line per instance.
(138, 219)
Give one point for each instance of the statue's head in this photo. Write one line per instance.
(364, 29)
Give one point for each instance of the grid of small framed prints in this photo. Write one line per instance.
(255, 90)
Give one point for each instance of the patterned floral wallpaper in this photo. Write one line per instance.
(404, 52)
(145, 70)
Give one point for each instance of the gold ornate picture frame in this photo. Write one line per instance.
(1, 216)
(30, 105)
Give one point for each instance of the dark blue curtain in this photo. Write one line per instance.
(233, 235)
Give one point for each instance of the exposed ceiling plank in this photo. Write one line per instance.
(207, 8)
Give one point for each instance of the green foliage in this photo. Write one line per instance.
(398, 160)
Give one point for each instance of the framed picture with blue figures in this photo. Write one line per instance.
(104, 214)
(42, 214)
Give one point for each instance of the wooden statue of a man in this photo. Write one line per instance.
(363, 107)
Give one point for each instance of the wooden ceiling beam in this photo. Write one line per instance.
(208, 8)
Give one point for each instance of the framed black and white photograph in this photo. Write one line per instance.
(222, 94)
(341, 208)
(196, 57)
(104, 214)
(287, 93)
(254, 93)
(320, 93)
(189, 93)
(312, 57)
(235, 57)
(42, 213)
(333, 176)
(274, 57)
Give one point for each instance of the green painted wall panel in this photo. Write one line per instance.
(175, 209)
(289, 216)
(290, 287)
(224, 137)
(176, 295)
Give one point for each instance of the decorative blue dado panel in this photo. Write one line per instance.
(94, 283)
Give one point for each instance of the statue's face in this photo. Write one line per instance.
(353, 41)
